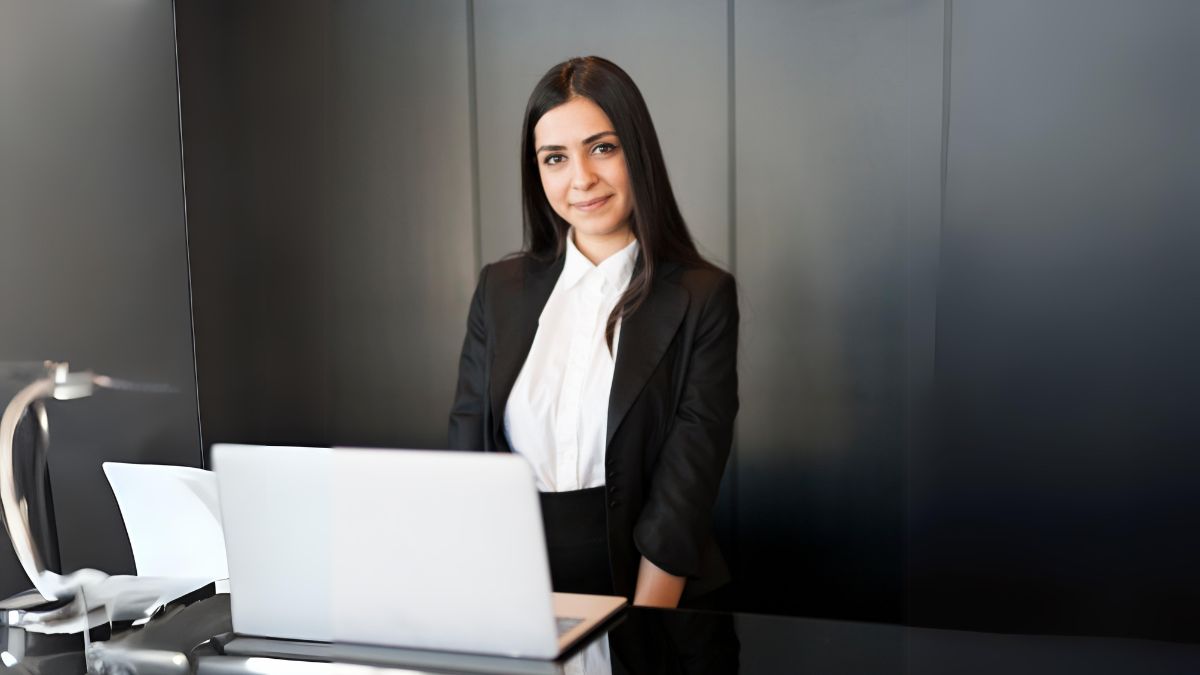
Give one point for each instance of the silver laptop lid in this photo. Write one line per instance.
(446, 547)
(276, 510)
(439, 550)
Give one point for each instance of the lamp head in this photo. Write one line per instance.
(69, 385)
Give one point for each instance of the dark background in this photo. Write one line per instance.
(963, 232)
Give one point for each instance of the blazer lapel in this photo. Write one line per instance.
(645, 336)
(515, 331)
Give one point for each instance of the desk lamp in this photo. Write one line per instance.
(25, 492)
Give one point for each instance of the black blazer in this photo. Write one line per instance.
(670, 411)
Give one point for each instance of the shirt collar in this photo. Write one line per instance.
(616, 268)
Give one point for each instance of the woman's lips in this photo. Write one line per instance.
(593, 204)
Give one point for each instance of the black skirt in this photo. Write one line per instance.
(577, 541)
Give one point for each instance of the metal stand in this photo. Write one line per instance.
(28, 508)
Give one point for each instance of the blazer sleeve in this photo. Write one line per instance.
(676, 519)
(470, 396)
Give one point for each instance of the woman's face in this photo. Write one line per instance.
(582, 165)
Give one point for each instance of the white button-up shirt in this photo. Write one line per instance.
(557, 412)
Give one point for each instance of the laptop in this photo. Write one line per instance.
(401, 548)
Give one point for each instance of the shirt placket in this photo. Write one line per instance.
(567, 428)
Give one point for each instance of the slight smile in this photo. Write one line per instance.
(593, 204)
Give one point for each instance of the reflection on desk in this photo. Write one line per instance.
(195, 638)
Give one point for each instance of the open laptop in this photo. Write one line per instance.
(401, 548)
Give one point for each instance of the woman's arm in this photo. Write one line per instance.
(466, 415)
(676, 519)
(656, 588)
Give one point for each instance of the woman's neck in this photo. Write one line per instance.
(598, 247)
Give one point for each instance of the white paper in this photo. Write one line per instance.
(173, 517)
(108, 598)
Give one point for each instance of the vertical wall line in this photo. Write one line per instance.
(731, 90)
(928, 411)
(947, 51)
(329, 324)
(473, 106)
(947, 40)
(187, 244)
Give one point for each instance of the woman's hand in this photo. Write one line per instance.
(656, 588)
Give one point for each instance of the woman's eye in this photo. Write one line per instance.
(554, 159)
(604, 148)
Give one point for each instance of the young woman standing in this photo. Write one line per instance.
(605, 352)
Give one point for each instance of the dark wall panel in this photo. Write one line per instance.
(252, 95)
(93, 263)
(1062, 496)
(401, 218)
(329, 179)
(838, 128)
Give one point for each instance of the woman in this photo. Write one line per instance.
(605, 352)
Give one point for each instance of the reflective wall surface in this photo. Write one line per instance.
(329, 168)
(962, 233)
(1059, 491)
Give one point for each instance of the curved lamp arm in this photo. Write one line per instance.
(60, 384)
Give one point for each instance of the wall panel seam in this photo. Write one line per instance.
(473, 108)
(732, 257)
(187, 246)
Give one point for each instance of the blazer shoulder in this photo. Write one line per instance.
(507, 275)
(517, 275)
(508, 268)
(702, 283)
(517, 267)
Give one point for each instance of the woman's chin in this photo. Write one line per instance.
(590, 228)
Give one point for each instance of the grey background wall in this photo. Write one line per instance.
(962, 233)
(93, 257)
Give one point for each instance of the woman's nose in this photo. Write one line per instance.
(584, 178)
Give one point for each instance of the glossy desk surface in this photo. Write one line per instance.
(196, 638)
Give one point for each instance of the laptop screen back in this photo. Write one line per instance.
(277, 510)
(439, 550)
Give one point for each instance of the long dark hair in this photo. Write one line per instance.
(660, 229)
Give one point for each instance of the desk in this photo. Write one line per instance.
(641, 641)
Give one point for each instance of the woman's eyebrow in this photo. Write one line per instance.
(589, 139)
(595, 137)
